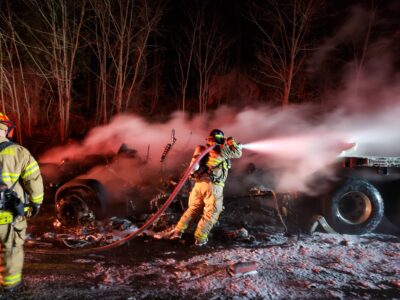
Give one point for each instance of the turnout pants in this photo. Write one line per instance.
(12, 238)
(206, 199)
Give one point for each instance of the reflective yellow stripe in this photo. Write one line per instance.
(30, 166)
(12, 277)
(6, 217)
(202, 237)
(11, 280)
(30, 169)
(212, 162)
(38, 198)
(10, 176)
(8, 151)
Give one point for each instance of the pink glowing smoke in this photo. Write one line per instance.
(284, 141)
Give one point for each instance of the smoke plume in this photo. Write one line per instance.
(286, 144)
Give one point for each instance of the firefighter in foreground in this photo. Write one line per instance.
(21, 179)
(206, 197)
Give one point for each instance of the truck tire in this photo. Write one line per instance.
(355, 208)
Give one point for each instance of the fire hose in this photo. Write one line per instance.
(145, 226)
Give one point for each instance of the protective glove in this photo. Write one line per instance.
(13, 203)
(10, 196)
(231, 141)
(34, 210)
(233, 144)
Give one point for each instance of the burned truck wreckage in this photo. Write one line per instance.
(93, 189)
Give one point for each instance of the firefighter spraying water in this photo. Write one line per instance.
(206, 197)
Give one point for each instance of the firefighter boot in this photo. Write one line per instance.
(19, 287)
(200, 243)
(176, 235)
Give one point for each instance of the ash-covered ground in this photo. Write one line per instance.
(295, 266)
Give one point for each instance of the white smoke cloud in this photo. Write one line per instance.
(137, 134)
(295, 148)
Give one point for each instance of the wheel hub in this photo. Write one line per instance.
(355, 208)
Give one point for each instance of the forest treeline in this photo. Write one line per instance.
(69, 65)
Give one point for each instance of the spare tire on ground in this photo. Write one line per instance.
(355, 208)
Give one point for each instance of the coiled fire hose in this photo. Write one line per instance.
(146, 225)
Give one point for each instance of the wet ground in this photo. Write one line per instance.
(321, 266)
(301, 266)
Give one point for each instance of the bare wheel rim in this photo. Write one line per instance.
(354, 208)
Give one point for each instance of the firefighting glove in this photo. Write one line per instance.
(11, 198)
(232, 142)
(34, 210)
(13, 203)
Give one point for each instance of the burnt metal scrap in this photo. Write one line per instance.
(168, 146)
(165, 188)
(95, 234)
(98, 189)
(101, 191)
(318, 220)
(55, 175)
(242, 268)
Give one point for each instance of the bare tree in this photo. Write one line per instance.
(185, 49)
(8, 83)
(201, 51)
(57, 39)
(9, 101)
(123, 30)
(284, 28)
(101, 30)
(13, 92)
